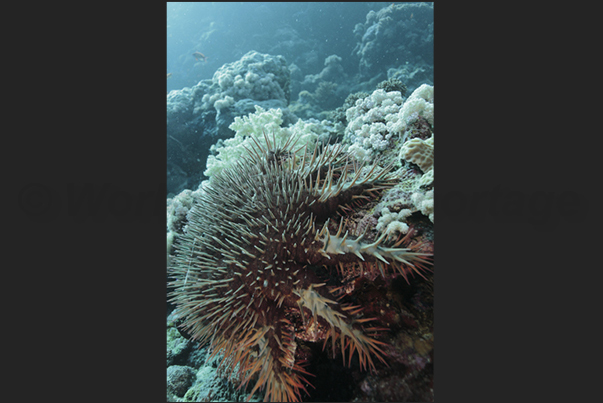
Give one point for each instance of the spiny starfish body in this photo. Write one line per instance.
(249, 269)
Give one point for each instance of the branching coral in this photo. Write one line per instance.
(369, 129)
(392, 223)
(380, 122)
(393, 84)
(249, 129)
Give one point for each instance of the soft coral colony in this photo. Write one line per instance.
(266, 258)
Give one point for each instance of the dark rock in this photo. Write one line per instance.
(178, 347)
(179, 379)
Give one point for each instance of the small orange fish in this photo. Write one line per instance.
(410, 15)
(199, 55)
(169, 75)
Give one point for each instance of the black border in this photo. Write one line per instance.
(514, 315)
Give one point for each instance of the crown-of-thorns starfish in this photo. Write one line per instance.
(247, 271)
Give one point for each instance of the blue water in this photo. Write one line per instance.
(304, 33)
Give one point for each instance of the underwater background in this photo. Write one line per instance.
(358, 74)
(330, 50)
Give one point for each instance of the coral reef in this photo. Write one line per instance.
(418, 112)
(405, 210)
(392, 84)
(392, 223)
(378, 124)
(373, 125)
(177, 210)
(312, 105)
(419, 152)
(180, 378)
(409, 129)
(398, 36)
(255, 269)
(419, 104)
(177, 347)
(256, 76)
(424, 202)
(284, 235)
(338, 114)
(199, 116)
(192, 375)
(333, 71)
(313, 74)
(249, 129)
(323, 91)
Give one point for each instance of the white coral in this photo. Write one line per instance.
(393, 223)
(420, 102)
(366, 119)
(382, 116)
(424, 203)
(255, 125)
(255, 76)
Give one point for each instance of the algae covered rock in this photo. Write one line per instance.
(179, 379)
